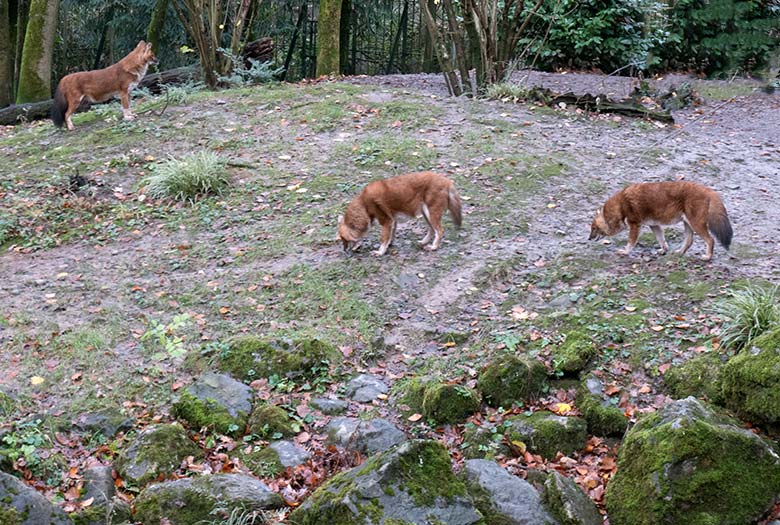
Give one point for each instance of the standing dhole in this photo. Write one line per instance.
(423, 194)
(101, 85)
(657, 204)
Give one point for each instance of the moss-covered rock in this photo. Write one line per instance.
(217, 402)
(249, 358)
(567, 502)
(22, 505)
(510, 379)
(263, 462)
(547, 434)
(157, 450)
(272, 422)
(573, 354)
(750, 380)
(688, 463)
(190, 501)
(446, 403)
(484, 442)
(412, 484)
(603, 418)
(698, 377)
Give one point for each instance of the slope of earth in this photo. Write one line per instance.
(91, 267)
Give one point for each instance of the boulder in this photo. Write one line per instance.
(249, 358)
(573, 354)
(157, 450)
(510, 379)
(602, 417)
(547, 434)
(272, 422)
(567, 502)
(106, 508)
(412, 484)
(190, 501)
(372, 436)
(108, 422)
(438, 401)
(750, 380)
(329, 406)
(688, 463)
(503, 498)
(483, 442)
(290, 454)
(22, 505)
(698, 377)
(365, 388)
(217, 402)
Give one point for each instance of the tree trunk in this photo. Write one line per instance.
(328, 32)
(22, 10)
(429, 59)
(345, 25)
(442, 54)
(6, 77)
(35, 72)
(157, 23)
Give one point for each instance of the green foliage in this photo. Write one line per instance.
(506, 91)
(238, 517)
(188, 178)
(30, 445)
(241, 75)
(749, 312)
(163, 337)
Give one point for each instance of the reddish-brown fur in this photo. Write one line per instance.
(424, 194)
(102, 84)
(656, 204)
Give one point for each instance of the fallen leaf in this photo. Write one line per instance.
(36, 380)
(415, 417)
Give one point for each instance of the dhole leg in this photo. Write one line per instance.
(633, 236)
(124, 97)
(688, 238)
(438, 230)
(72, 107)
(392, 232)
(427, 216)
(704, 233)
(659, 236)
(387, 237)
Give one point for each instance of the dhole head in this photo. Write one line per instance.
(350, 239)
(598, 228)
(147, 55)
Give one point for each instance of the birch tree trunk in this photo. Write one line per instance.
(328, 38)
(35, 71)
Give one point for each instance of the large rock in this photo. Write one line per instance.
(249, 358)
(272, 422)
(510, 379)
(22, 505)
(190, 501)
(329, 406)
(215, 401)
(157, 450)
(688, 463)
(412, 484)
(503, 498)
(108, 422)
(750, 380)
(547, 434)
(573, 354)
(567, 502)
(698, 377)
(372, 436)
(365, 388)
(603, 418)
(438, 401)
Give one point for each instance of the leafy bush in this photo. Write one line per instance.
(749, 312)
(241, 75)
(187, 179)
(506, 90)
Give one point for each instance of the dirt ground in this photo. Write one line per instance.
(76, 299)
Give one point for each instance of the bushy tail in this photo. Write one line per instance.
(455, 207)
(58, 108)
(719, 224)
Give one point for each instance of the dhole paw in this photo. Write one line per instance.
(130, 117)
(624, 251)
(378, 253)
(430, 248)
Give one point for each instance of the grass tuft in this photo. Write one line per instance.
(749, 312)
(188, 178)
(506, 91)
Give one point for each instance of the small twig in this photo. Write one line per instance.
(160, 114)
(240, 164)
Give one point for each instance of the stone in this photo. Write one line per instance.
(447, 403)
(215, 401)
(365, 388)
(329, 406)
(750, 380)
(290, 454)
(22, 505)
(190, 501)
(602, 417)
(106, 508)
(698, 377)
(567, 502)
(572, 356)
(271, 422)
(510, 379)
(547, 434)
(157, 450)
(504, 498)
(372, 436)
(689, 463)
(412, 484)
(108, 422)
(483, 442)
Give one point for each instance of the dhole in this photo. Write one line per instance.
(101, 85)
(423, 194)
(657, 204)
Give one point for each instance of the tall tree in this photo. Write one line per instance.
(20, 28)
(35, 71)
(6, 62)
(156, 24)
(328, 37)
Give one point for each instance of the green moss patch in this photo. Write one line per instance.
(207, 413)
(510, 379)
(263, 462)
(272, 422)
(698, 377)
(438, 401)
(547, 434)
(574, 353)
(158, 450)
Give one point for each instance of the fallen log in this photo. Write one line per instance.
(631, 107)
(19, 113)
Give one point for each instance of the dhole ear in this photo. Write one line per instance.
(140, 44)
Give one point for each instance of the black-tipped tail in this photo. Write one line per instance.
(58, 108)
(719, 224)
(455, 207)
